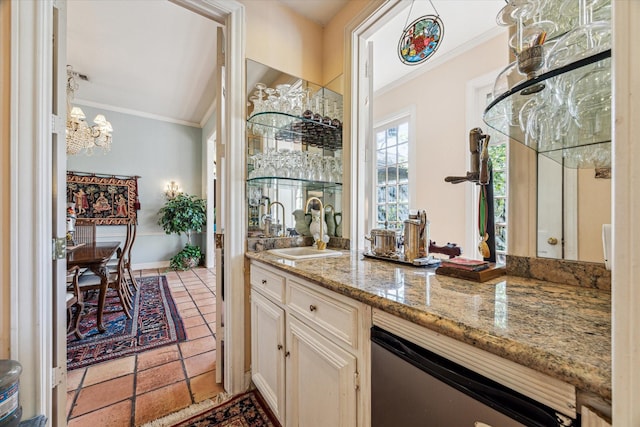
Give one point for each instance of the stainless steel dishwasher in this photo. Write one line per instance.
(411, 386)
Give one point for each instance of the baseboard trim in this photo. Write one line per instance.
(150, 265)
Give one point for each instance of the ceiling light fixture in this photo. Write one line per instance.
(81, 136)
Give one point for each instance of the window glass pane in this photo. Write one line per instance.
(391, 194)
(381, 140)
(392, 155)
(382, 191)
(403, 212)
(501, 238)
(392, 136)
(392, 173)
(403, 172)
(403, 153)
(381, 158)
(382, 175)
(382, 213)
(500, 210)
(499, 184)
(392, 213)
(403, 193)
(403, 132)
(498, 155)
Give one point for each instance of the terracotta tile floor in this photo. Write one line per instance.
(137, 389)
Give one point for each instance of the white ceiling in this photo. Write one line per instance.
(465, 22)
(154, 58)
(143, 56)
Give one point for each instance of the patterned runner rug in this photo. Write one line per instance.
(155, 322)
(244, 410)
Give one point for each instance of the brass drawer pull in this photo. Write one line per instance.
(287, 354)
(313, 307)
(279, 346)
(264, 281)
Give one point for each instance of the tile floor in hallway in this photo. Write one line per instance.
(137, 389)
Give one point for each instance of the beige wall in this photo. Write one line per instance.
(594, 209)
(281, 39)
(5, 116)
(439, 96)
(296, 45)
(334, 38)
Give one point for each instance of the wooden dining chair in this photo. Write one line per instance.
(74, 301)
(132, 230)
(85, 231)
(116, 281)
(125, 252)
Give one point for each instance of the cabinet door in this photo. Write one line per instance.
(267, 351)
(321, 380)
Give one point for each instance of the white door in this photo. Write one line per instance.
(220, 219)
(58, 214)
(321, 380)
(267, 352)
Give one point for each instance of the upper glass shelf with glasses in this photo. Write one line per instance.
(556, 95)
(299, 113)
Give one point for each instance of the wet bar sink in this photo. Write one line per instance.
(304, 252)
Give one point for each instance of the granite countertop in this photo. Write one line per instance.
(563, 331)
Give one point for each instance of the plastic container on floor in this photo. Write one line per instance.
(10, 409)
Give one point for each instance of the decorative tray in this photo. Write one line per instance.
(418, 262)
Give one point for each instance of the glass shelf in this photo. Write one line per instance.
(320, 132)
(292, 182)
(544, 121)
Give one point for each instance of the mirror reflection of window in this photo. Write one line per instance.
(392, 173)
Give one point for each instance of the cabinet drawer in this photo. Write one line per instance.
(335, 317)
(268, 282)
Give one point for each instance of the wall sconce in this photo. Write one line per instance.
(173, 189)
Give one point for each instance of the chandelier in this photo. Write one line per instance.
(81, 136)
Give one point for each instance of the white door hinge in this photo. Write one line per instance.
(58, 248)
(57, 125)
(57, 375)
(356, 380)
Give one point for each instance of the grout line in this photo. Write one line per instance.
(133, 398)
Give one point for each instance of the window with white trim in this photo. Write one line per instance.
(392, 173)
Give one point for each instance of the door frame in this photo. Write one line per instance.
(30, 198)
(28, 338)
(231, 14)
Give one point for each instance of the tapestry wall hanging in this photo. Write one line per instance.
(103, 199)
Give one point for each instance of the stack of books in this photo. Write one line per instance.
(465, 264)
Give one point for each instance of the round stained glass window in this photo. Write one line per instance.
(420, 40)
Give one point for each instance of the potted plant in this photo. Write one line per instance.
(184, 214)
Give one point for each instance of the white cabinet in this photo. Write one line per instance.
(267, 351)
(306, 343)
(321, 380)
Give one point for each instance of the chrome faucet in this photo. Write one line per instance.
(320, 244)
(284, 227)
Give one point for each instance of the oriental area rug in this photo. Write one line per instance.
(154, 322)
(248, 409)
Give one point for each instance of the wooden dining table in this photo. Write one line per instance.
(95, 256)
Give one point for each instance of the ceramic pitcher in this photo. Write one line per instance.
(302, 222)
(330, 220)
(338, 220)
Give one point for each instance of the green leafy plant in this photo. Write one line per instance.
(187, 258)
(184, 214)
